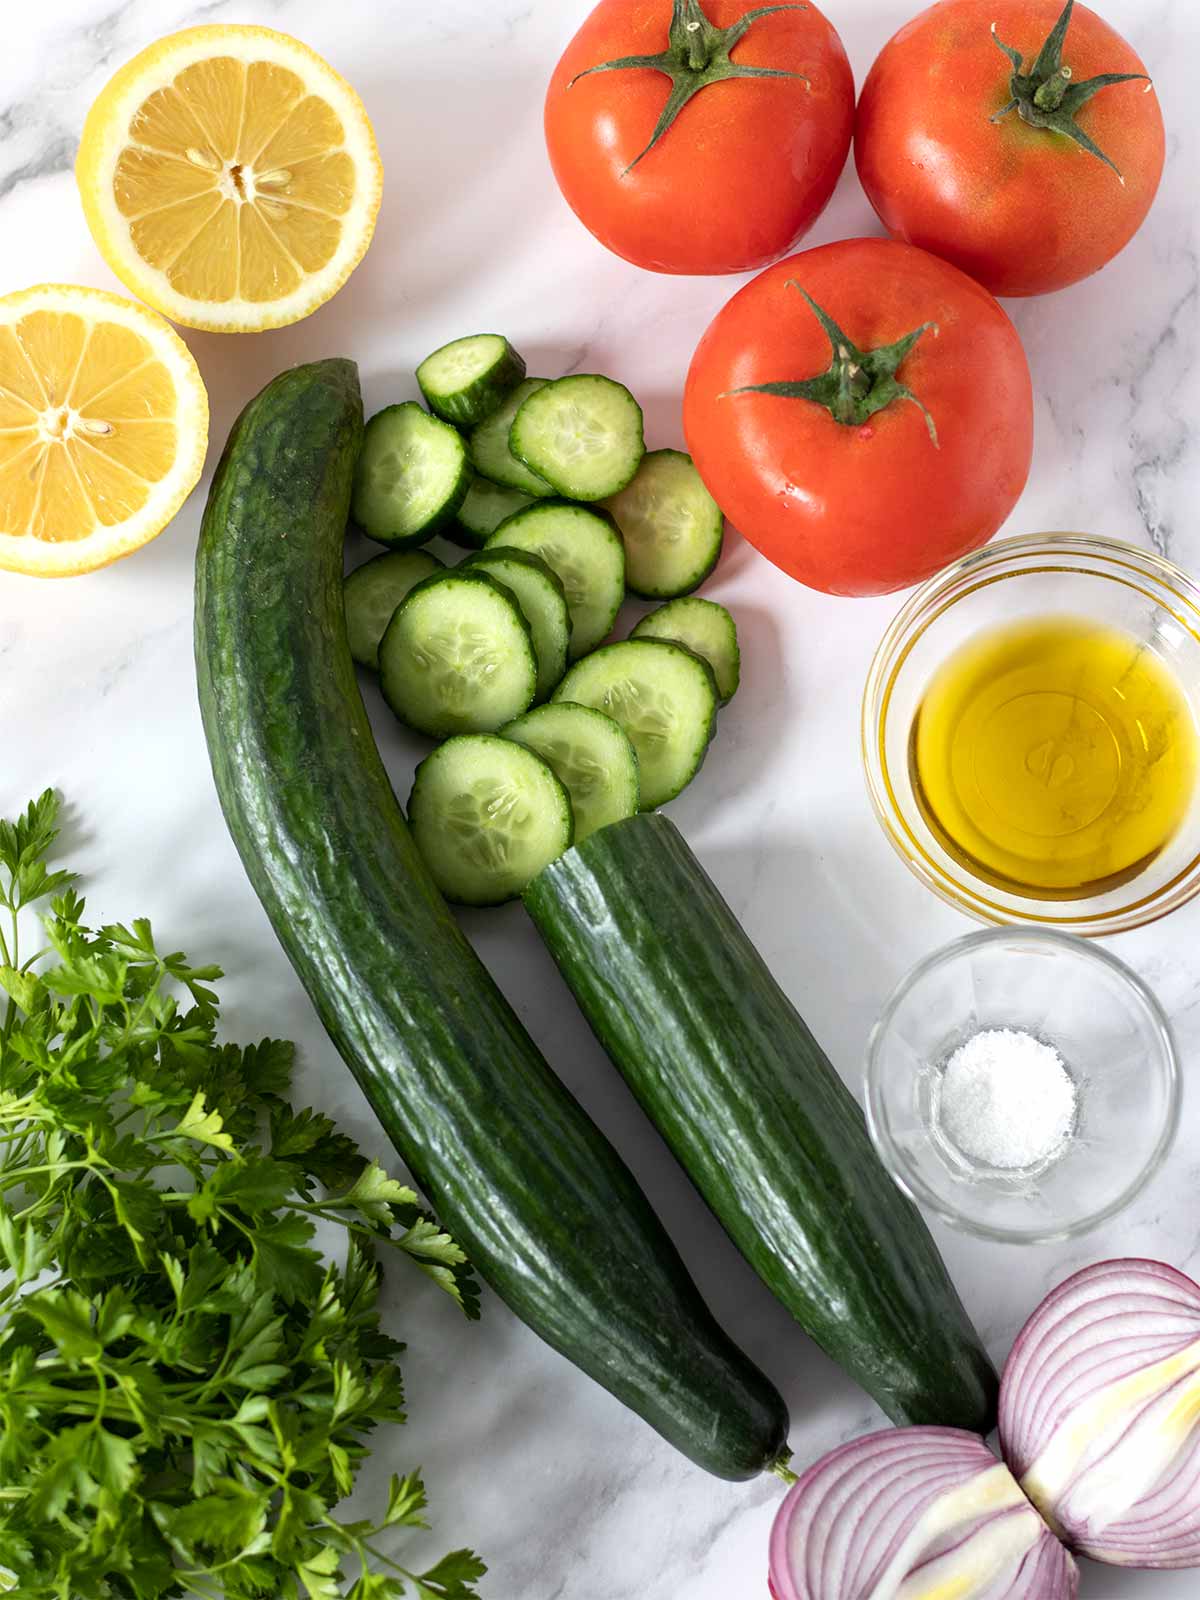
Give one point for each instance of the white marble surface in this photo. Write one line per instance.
(565, 1493)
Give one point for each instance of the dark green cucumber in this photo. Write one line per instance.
(550, 1214)
(749, 1103)
(706, 628)
(481, 513)
(372, 594)
(466, 380)
(412, 476)
(583, 435)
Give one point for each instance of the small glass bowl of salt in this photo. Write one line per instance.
(1023, 1084)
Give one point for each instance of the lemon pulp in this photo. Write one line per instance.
(103, 425)
(233, 184)
(230, 177)
(1054, 757)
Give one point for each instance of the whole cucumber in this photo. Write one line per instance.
(548, 1212)
(748, 1101)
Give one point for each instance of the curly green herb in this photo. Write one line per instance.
(187, 1387)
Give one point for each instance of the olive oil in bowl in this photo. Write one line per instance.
(1054, 758)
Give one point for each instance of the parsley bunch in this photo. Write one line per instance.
(187, 1387)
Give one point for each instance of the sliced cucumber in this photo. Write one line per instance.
(591, 756)
(481, 513)
(487, 815)
(582, 434)
(373, 591)
(488, 445)
(672, 527)
(458, 656)
(582, 547)
(663, 696)
(707, 629)
(466, 380)
(412, 476)
(542, 598)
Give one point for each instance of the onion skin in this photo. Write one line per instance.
(912, 1512)
(1100, 1413)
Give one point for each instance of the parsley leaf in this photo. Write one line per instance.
(189, 1385)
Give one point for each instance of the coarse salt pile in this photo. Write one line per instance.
(1006, 1100)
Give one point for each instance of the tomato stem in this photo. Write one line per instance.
(698, 54)
(857, 383)
(1047, 97)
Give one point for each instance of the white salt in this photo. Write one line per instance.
(1006, 1100)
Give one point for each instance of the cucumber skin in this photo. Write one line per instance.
(644, 629)
(700, 575)
(477, 402)
(480, 559)
(551, 1216)
(469, 538)
(414, 809)
(751, 1107)
(455, 575)
(557, 486)
(436, 524)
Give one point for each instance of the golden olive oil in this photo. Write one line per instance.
(1054, 758)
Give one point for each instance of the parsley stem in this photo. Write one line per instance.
(19, 1110)
(170, 1348)
(11, 952)
(363, 1548)
(10, 960)
(7, 1179)
(332, 1212)
(17, 1288)
(76, 1403)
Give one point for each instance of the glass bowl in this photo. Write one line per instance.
(1101, 580)
(1113, 1038)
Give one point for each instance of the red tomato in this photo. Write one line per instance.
(748, 165)
(1025, 209)
(874, 503)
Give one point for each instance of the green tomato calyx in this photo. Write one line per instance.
(857, 383)
(1047, 97)
(698, 54)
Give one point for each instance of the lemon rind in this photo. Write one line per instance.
(34, 557)
(106, 132)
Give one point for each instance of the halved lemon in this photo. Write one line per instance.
(103, 428)
(230, 178)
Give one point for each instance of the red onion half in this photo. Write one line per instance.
(910, 1514)
(1100, 1413)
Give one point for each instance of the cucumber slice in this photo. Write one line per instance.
(592, 757)
(487, 815)
(663, 696)
(707, 629)
(373, 591)
(466, 380)
(411, 478)
(487, 445)
(458, 656)
(672, 527)
(582, 547)
(481, 513)
(543, 600)
(582, 434)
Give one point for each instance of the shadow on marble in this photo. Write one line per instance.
(737, 556)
